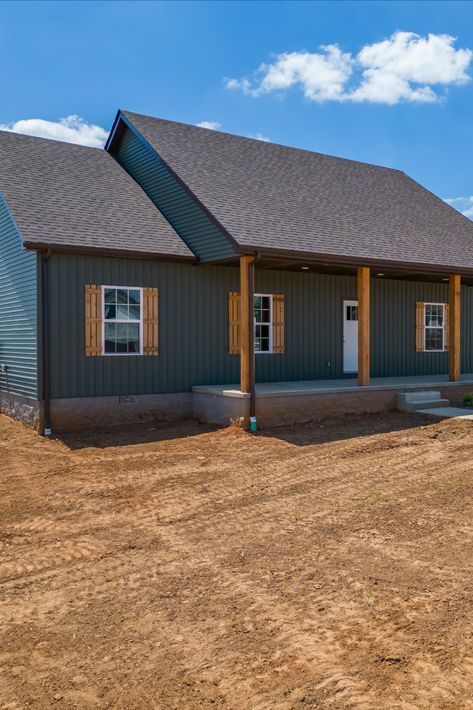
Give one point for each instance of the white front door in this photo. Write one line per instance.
(350, 336)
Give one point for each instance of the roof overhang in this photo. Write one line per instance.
(94, 251)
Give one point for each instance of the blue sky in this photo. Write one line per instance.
(375, 96)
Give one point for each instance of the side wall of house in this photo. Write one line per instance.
(18, 322)
(193, 327)
(189, 220)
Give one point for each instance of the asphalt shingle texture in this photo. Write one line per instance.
(273, 197)
(73, 196)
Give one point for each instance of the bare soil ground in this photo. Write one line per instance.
(178, 566)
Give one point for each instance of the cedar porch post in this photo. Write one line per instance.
(363, 325)
(454, 327)
(246, 304)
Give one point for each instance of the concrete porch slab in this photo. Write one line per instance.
(280, 403)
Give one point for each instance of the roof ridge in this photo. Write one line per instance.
(268, 143)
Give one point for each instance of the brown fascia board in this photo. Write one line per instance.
(329, 259)
(91, 251)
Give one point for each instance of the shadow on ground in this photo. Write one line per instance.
(311, 433)
(145, 433)
(348, 426)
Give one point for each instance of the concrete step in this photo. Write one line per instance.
(415, 401)
(448, 412)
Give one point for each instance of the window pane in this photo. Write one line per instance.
(133, 338)
(110, 295)
(258, 315)
(434, 338)
(257, 301)
(134, 312)
(122, 295)
(121, 337)
(265, 316)
(122, 312)
(352, 313)
(109, 337)
(434, 315)
(134, 296)
(110, 312)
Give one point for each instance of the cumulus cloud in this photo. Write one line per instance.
(404, 67)
(260, 137)
(71, 129)
(211, 125)
(463, 204)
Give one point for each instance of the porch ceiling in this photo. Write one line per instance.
(386, 272)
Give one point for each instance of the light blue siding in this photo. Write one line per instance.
(190, 221)
(18, 310)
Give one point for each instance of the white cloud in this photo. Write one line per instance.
(261, 137)
(321, 75)
(404, 67)
(463, 204)
(211, 125)
(71, 129)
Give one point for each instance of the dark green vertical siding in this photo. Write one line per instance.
(186, 216)
(18, 310)
(393, 315)
(192, 325)
(194, 328)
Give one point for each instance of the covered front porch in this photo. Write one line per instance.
(279, 403)
(382, 293)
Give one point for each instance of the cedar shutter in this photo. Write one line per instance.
(150, 321)
(446, 327)
(420, 326)
(234, 323)
(278, 323)
(93, 320)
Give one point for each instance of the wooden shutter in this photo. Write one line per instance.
(93, 320)
(278, 323)
(446, 327)
(420, 326)
(234, 323)
(150, 321)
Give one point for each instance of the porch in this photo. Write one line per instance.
(279, 403)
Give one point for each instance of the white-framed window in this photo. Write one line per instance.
(122, 332)
(434, 327)
(263, 320)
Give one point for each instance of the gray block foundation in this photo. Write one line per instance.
(78, 413)
(277, 404)
(24, 409)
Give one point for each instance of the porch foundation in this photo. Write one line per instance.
(284, 403)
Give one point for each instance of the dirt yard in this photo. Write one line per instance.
(186, 567)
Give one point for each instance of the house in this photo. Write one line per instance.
(164, 276)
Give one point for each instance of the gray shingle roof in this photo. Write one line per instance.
(72, 196)
(273, 197)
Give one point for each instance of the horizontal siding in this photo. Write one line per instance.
(188, 219)
(193, 327)
(18, 310)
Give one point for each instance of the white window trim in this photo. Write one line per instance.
(270, 296)
(121, 320)
(434, 327)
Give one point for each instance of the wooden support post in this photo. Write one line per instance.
(246, 300)
(363, 325)
(454, 327)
